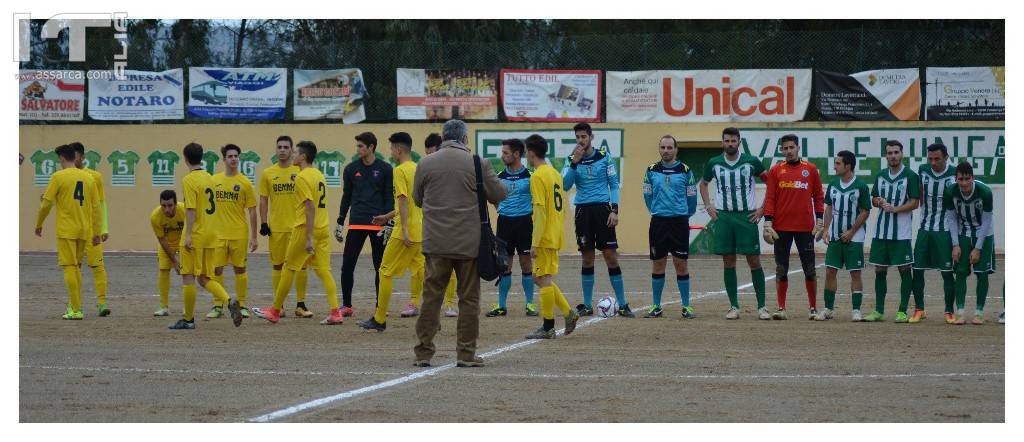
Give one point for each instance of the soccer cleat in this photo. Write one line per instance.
(421, 363)
(585, 310)
(497, 311)
(216, 312)
(824, 315)
(653, 312)
(335, 318)
(540, 333)
(372, 324)
(960, 318)
(733, 313)
(72, 315)
(779, 315)
(1002, 317)
(477, 361)
(855, 316)
(162, 312)
(948, 316)
(245, 312)
(979, 318)
(183, 325)
(625, 312)
(688, 313)
(901, 318)
(812, 314)
(103, 310)
(302, 312)
(570, 322)
(874, 316)
(450, 311)
(762, 314)
(236, 312)
(410, 311)
(531, 310)
(346, 311)
(271, 314)
(916, 317)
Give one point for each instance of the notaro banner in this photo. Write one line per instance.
(883, 94)
(138, 95)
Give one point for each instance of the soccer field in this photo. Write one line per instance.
(130, 367)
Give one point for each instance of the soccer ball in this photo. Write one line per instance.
(607, 307)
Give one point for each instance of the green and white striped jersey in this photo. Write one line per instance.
(970, 209)
(897, 190)
(847, 200)
(734, 181)
(933, 185)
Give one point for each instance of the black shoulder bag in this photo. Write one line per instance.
(492, 259)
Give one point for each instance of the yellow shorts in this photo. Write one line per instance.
(279, 247)
(70, 251)
(398, 258)
(165, 261)
(546, 262)
(93, 254)
(233, 251)
(298, 258)
(197, 262)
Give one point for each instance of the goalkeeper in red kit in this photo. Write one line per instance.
(794, 205)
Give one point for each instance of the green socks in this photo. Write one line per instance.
(948, 290)
(858, 298)
(730, 287)
(830, 299)
(880, 289)
(757, 277)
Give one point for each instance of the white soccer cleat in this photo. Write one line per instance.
(812, 314)
(161, 312)
(855, 316)
(824, 315)
(733, 313)
(762, 314)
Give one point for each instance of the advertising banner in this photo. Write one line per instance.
(883, 94)
(547, 95)
(751, 95)
(238, 93)
(429, 94)
(140, 95)
(977, 93)
(336, 94)
(51, 95)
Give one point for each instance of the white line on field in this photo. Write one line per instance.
(522, 375)
(316, 403)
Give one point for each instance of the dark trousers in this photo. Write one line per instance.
(804, 248)
(438, 272)
(354, 241)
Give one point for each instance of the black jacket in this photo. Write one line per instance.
(368, 191)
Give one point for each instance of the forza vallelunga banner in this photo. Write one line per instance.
(549, 95)
(51, 95)
(883, 94)
(139, 95)
(238, 93)
(977, 93)
(329, 95)
(430, 94)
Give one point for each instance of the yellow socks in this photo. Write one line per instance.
(329, 286)
(241, 288)
(99, 278)
(164, 283)
(73, 282)
(301, 278)
(449, 293)
(275, 280)
(383, 296)
(560, 300)
(547, 302)
(188, 293)
(220, 296)
(285, 284)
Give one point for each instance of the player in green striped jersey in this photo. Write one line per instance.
(895, 192)
(847, 206)
(932, 249)
(735, 213)
(968, 206)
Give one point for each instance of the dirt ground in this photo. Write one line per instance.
(130, 368)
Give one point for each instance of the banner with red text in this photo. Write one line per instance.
(748, 95)
(51, 95)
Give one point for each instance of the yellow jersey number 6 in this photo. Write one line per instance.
(558, 198)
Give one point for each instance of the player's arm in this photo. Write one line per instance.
(827, 220)
(389, 190)
(346, 196)
(158, 231)
(97, 222)
(253, 242)
(493, 189)
(705, 196)
(769, 196)
(403, 208)
(648, 190)
(264, 203)
(986, 220)
(910, 205)
(310, 217)
(691, 193)
(568, 175)
(190, 219)
(46, 203)
(539, 213)
(104, 217)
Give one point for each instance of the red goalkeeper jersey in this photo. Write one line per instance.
(794, 196)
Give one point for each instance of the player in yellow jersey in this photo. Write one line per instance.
(234, 196)
(74, 193)
(548, 195)
(94, 253)
(167, 221)
(404, 249)
(278, 199)
(309, 244)
(199, 240)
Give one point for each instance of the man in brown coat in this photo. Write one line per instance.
(445, 188)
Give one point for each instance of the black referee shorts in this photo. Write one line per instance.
(517, 232)
(592, 231)
(669, 235)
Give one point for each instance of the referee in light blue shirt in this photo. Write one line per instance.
(670, 193)
(515, 224)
